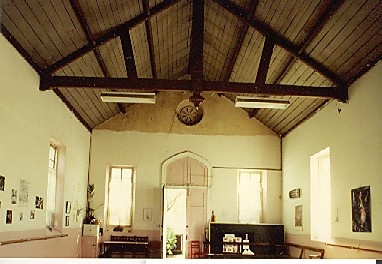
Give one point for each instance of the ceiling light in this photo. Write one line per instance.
(127, 97)
(252, 102)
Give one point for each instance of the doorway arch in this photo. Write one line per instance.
(192, 173)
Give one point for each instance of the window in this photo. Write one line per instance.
(52, 187)
(320, 196)
(120, 196)
(250, 197)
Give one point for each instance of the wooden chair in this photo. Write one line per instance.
(195, 250)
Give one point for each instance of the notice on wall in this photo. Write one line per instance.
(24, 193)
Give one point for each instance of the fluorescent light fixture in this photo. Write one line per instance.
(253, 102)
(127, 97)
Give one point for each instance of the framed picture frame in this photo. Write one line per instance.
(361, 209)
(68, 207)
(67, 220)
(147, 214)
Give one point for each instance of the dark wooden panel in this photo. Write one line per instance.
(33, 44)
(141, 51)
(112, 55)
(247, 63)
(171, 37)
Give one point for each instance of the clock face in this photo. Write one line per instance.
(190, 115)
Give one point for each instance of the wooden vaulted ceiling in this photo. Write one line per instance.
(308, 52)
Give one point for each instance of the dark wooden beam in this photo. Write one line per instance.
(109, 35)
(242, 32)
(196, 48)
(326, 11)
(142, 84)
(90, 38)
(282, 42)
(128, 55)
(20, 49)
(150, 40)
(265, 60)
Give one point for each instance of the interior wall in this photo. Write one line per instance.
(147, 141)
(29, 120)
(353, 133)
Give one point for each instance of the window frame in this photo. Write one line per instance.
(261, 194)
(107, 190)
(320, 202)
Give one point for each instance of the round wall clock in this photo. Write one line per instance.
(190, 115)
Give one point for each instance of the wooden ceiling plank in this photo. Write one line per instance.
(312, 113)
(242, 31)
(265, 61)
(324, 13)
(128, 55)
(196, 43)
(183, 85)
(20, 49)
(72, 109)
(149, 35)
(111, 34)
(89, 36)
(283, 42)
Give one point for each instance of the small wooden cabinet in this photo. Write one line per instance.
(90, 241)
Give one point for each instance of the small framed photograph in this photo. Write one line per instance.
(68, 207)
(67, 220)
(39, 202)
(32, 214)
(147, 215)
(9, 217)
(2, 183)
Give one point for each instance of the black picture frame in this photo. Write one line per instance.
(68, 207)
(361, 210)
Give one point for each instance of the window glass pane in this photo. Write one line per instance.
(120, 196)
(250, 197)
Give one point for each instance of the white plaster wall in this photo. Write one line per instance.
(28, 120)
(226, 137)
(353, 133)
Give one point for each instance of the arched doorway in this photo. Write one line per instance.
(190, 174)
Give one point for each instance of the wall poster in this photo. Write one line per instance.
(361, 213)
(298, 217)
(24, 193)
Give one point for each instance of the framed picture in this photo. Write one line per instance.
(361, 213)
(32, 214)
(147, 214)
(68, 207)
(2, 183)
(67, 220)
(39, 202)
(8, 219)
(14, 196)
(298, 217)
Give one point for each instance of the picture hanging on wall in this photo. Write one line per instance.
(32, 214)
(8, 220)
(39, 202)
(14, 196)
(361, 214)
(298, 217)
(24, 193)
(2, 183)
(147, 214)
(67, 220)
(68, 207)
